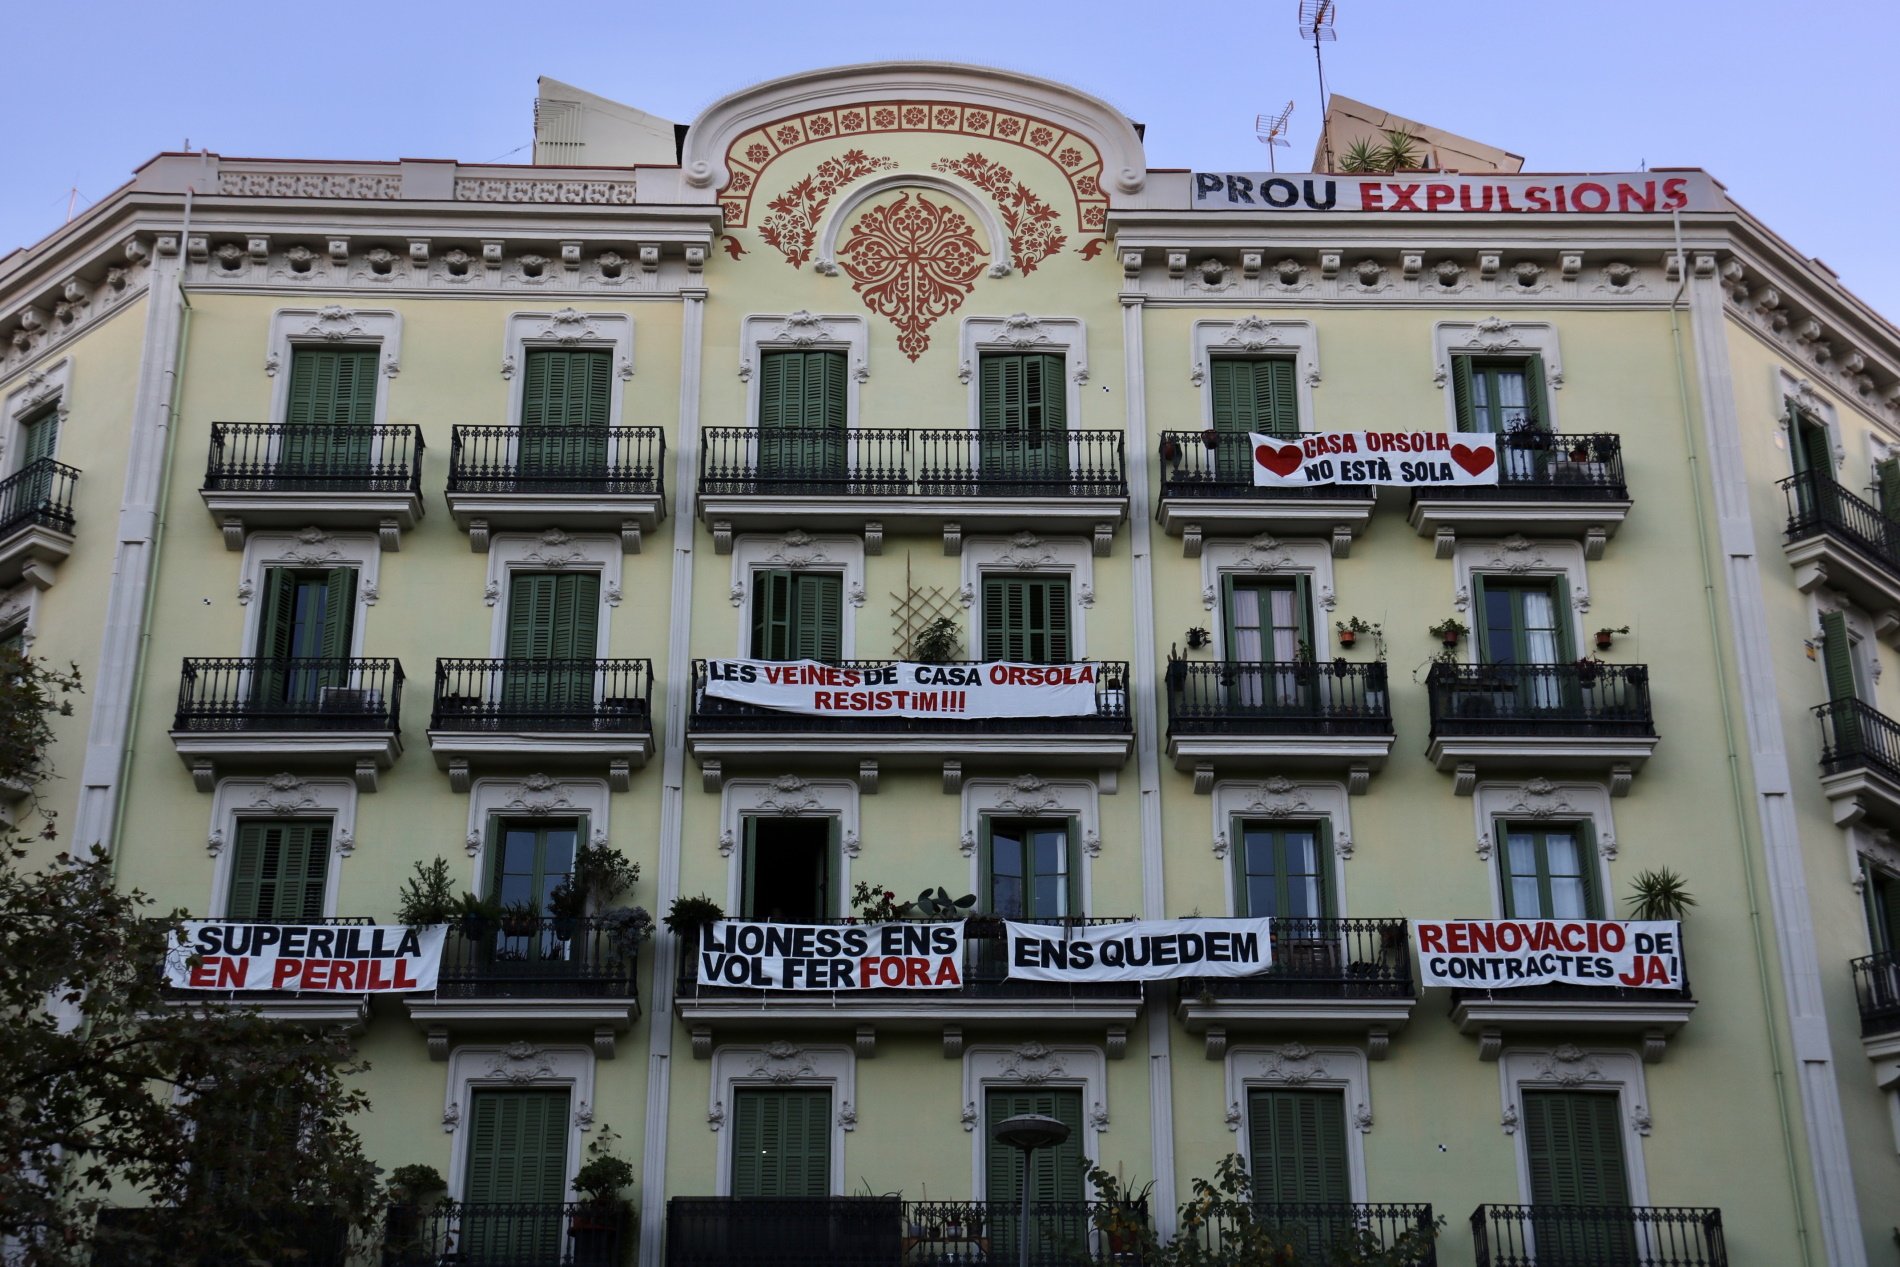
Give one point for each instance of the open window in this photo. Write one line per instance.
(304, 638)
(791, 864)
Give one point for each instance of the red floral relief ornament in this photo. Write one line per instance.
(1035, 227)
(912, 261)
(792, 224)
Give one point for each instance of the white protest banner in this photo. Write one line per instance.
(1438, 193)
(900, 689)
(1407, 459)
(1139, 950)
(1487, 953)
(900, 956)
(312, 958)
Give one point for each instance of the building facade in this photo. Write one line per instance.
(439, 485)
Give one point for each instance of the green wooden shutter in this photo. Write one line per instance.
(1887, 487)
(1461, 392)
(1574, 1146)
(771, 615)
(1298, 1145)
(39, 435)
(1255, 395)
(517, 1147)
(802, 408)
(817, 617)
(530, 616)
(1026, 619)
(1837, 657)
(330, 387)
(996, 618)
(339, 612)
(278, 874)
(781, 1145)
(1055, 1174)
(1276, 408)
(1536, 393)
(1023, 415)
(275, 630)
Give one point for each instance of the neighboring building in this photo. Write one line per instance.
(393, 510)
(1348, 121)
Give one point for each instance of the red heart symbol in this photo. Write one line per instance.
(1282, 461)
(1475, 461)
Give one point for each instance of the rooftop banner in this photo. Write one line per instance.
(843, 957)
(1491, 953)
(1139, 950)
(1408, 459)
(1440, 193)
(900, 689)
(310, 958)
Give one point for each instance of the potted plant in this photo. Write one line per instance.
(520, 919)
(603, 873)
(1607, 446)
(600, 1218)
(936, 642)
(690, 914)
(1449, 630)
(477, 915)
(567, 903)
(1198, 637)
(1170, 447)
(876, 905)
(1589, 669)
(1580, 449)
(1211, 438)
(413, 1190)
(1606, 636)
(628, 925)
(1659, 894)
(1350, 629)
(428, 898)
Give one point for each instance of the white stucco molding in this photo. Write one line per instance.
(781, 1064)
(47, 385)
(278, 796)
(762, 332)
(1295, 1065)
(1518, 557)
(1280, 798)
(1031, 796)
(1025, 552)
(517, 1066)
(787, 796)
(567, 328)
(972, 202)
(1791, 389)
(702, 163)
(1496, 337)
(1267, 555)
(1542, 800)
(20, 610)
(310, 548)
(334, 324)
(528, 797)
(799, 551)
(1039, 1066)
(1254, 335)
(1567, 1067)
(551, 551)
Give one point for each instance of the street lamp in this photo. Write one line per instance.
(1028, 1131)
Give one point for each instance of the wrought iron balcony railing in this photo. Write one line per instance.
(1324, 959)
(882, 1231)
(1877, 988)
(1402, 1235)
(985, 969)
(1539, 465)
(1588, 698)
(749, 461)
(543, 695)
(606, 461)
(1191, 468)
(1111, 715)
(1818, 505)
(550, 1234)
(153, 1236)
(539, 957)
(39, 494)
(1597, 1236)
(303, 693)
(1292, 698)
(1855, 735)
(257, 457)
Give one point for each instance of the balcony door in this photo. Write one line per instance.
(1297, 1145)
(331, 413)
(552, 644)
(1506, 397)
(1270, 643)
(1525, 624)
(1056, 1177)
(1549, 871)
(1023, 426)
(1573, 1144)
(566, 408)
(1030, 868)
(781, 1142)
(517, 1178)
(1281, 870)
(1026, 619)
(802, 421)
(1817, 494)
(279, 871)
(1250, 394)
(789, 865)
(39, 438)
(303, 641)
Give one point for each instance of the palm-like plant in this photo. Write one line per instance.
(1660, 894)
(1403, 152)
(1362, 157)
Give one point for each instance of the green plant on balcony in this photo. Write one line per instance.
(520, 919)
(1351, 627)
(413, 1189)
(1659, 894)
(477, 915)
(1606, 636)
(1449, 630)
(936, 642)
(940, 905)
(604, 1215)
(690, 914)
(876, 905)
(428, 897)
(603, 873)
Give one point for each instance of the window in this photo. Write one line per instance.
(1055, 1174)
(517, 1176)
(789, 865)
(279, 871)
(1022, 408)
(1254, 395)
(1840, 660)
(1269, 623)
(1281, 870)
(797, 615)
(1573, 1142)
(534, 857)
(39, 435)
(1883, 909)
(1549, 871)
(566, 408)
(1499, 395)
(781, 1142)
(802, 416)
(303, 639)
(1298, 1145)
(1032, 871)
(1522, 622)
(331, 410)
(1808, 444)
(552, 643)
(1026, 619)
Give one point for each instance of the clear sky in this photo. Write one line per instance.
(1781, 101)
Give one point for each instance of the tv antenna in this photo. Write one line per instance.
(1316, 24)
(1270, 131)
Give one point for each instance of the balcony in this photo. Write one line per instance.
(36, 522)
(1597, 1236)
(281, 714)
(885, 1231)
(1649, 1015)
(320, 1008)
(1837, 540)
(1860, 764)
(1336, 1231)
(581, 479)
(552, 1234)
(1587, 716)
(1548, 485)
(723, 734)
(152, 1236)
(1336, 975)
(1231, 715)
(1877, 990)
(1209, 492)
(569, 713)
(988, 999)
(532, 973)
(878, 480)
(291, 475)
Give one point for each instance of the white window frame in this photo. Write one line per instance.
(1861, 630)
(1792, 389)
(787, 796)
(20, 609)
(1026, 554)
(532, 796)
(1266, 555)
(1281, 799)
(781, 1064)
(1866, 849)
(566, 328)
(520, 1065)
(1518, 558)
(52, 384)
(1568, 1067)
(311, 549)
(1496, 339)
(321, 327)
(1023, 333)
(551, 551)
(1254, 337)
(799, 551)
(1543, 800)
(278, 796)
(762, 332)
(1298, 1066)
(1036, 1065)
(1031, 796)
